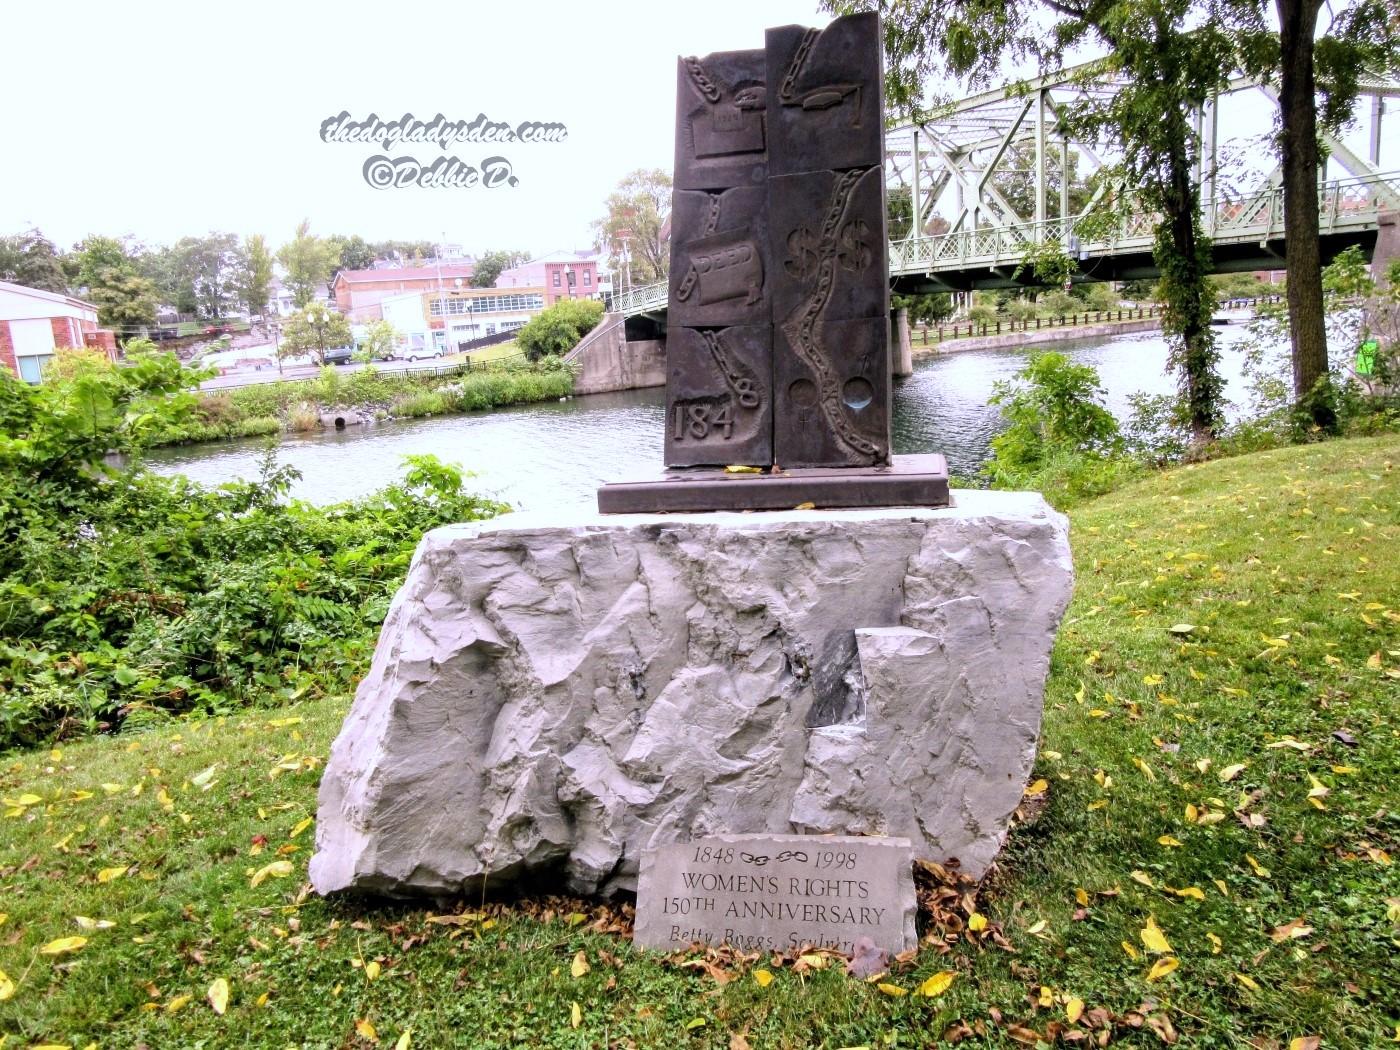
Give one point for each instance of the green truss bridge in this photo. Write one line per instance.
(992, 178)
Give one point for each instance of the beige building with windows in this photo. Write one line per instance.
(445, 322)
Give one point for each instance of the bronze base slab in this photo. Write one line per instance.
(909, 481)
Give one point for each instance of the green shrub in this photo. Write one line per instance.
(558, 328)
(1059, 438)
(124, 594)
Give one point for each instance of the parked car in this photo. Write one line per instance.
(339, 355)
(417, 353)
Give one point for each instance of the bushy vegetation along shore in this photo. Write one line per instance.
(127, 597)
(297, 404)
(1206, 857)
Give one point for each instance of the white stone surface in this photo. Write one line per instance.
(550, 696)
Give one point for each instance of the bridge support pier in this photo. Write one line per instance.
(901, 345)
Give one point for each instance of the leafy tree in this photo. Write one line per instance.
(168, 268)
(203, 272)
(491, 263)
(107, 269)
(403, 251)
(31, 259)
(254, 274)
(1306, 64)
(314, 330)
(636, 212)
(379, 342)
(353, 253)
(309, 261)
(557, 329)
(1168, 69)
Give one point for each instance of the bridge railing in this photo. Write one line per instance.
(640, 299)
(1342, 204)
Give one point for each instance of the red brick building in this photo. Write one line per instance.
(34, 323)
(563, 275)
(358, 293)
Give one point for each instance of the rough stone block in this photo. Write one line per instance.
(551, 697)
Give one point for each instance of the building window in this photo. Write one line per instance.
(556, 278)
(490, 329)
(31, 369)
(587, 278)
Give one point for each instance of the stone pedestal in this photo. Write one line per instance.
(551, 696)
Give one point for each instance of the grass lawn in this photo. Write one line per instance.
(1209, 863)
(496, 352)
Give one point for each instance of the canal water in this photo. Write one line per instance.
(538, 456)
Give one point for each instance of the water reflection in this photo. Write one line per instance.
(539, 456)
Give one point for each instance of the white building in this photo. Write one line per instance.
(35, 323)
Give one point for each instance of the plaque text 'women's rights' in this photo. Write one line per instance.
(777, 893)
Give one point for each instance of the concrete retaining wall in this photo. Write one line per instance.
(1032, 337)
(607, 361)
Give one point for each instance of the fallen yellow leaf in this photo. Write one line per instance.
(892, 989)
(575, 1015)
(108, 874)
(938, 983)
(366, 1030)
(405, 1040)
(372, 969)
(177, 1003)
(1153, 939)
(976, 922)
(7, 987)
(1215, 943)
(1168, 840)
(218, 995)
(580, 966)
(1074, 1009)
(63, 945)
(278, 869)
(1037, 787)
(1162, 967)
(763, 978)
(1229, 773)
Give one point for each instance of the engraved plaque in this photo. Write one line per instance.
(777, 893)
(719, 403)
(719, 248)
(827, 231)
(721, 121)
(825, 92)
(832, 393)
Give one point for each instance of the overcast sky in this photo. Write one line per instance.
(163, 119)
(168, 119)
